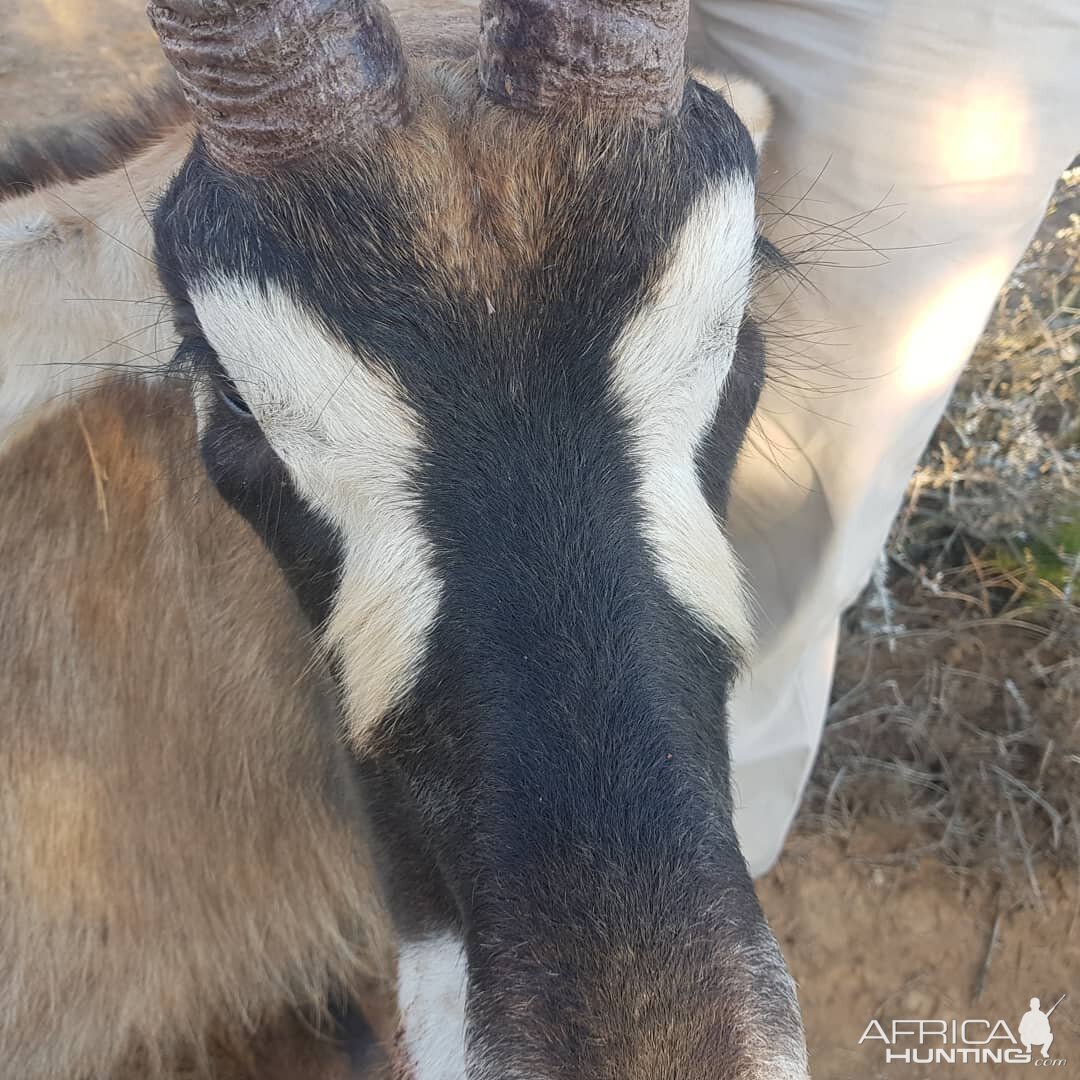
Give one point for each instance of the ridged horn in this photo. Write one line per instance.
(271, 81)
(625, 55)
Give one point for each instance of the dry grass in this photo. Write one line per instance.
(956, 707)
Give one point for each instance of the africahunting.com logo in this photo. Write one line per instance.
(969, 1042)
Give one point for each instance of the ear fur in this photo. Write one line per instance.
(749, 101)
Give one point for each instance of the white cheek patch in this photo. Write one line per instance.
(351, 443)
(432, 985)
(670, 365)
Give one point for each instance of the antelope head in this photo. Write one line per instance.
(467, 312)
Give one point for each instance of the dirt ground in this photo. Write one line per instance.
(870, 932)
(66, 59)
(869, 939)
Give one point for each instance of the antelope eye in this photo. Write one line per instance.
(226, 390)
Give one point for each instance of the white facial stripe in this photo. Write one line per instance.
(670, 365)
(351, 443)
(432, 984)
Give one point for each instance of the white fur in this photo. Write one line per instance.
(351, 442)
(670, 365)
(432, 984)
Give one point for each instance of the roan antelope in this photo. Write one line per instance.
(468, 339)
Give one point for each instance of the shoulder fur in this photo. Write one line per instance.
(180, 849)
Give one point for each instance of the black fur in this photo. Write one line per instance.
(558, 778)
(724, 440)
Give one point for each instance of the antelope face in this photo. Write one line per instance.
(478, 374)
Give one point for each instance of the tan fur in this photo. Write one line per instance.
(179, 852)
(486, 183)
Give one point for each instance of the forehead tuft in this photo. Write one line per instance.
(468, 200)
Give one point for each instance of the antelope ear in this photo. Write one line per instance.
(749, 101)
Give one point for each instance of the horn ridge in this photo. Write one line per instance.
(271, 81)
(624, 55)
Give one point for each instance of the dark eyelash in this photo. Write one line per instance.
(185, 320)
(228, 393)
(195, 356)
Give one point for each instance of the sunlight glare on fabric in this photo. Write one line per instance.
(984, 135)
(939, 335)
